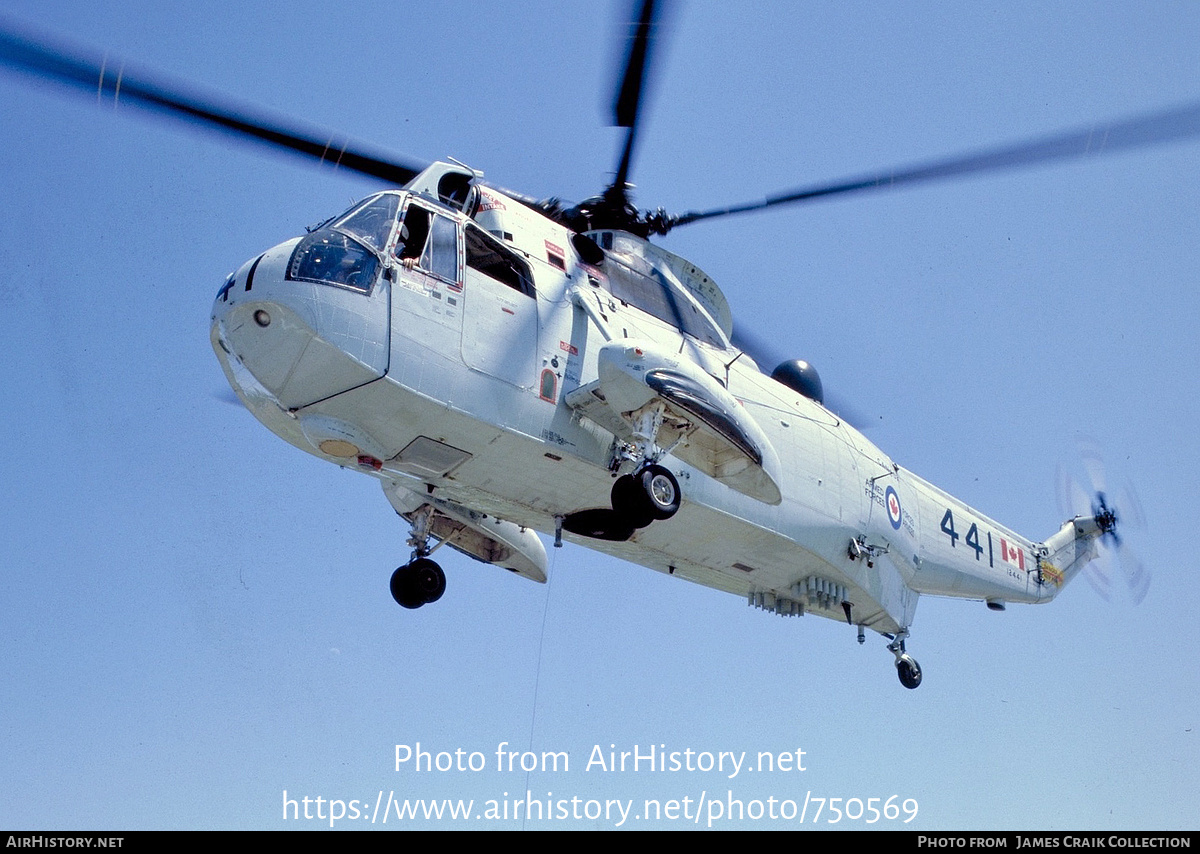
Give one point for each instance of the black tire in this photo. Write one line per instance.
(630, 503)
(428, 579)
(599, 524)
(909, 672)
(404, 591)
(660, 491)
(418, 583)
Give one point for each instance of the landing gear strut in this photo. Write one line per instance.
(906, 666)
(651, 492)
(420, 581)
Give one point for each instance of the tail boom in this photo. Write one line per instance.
(1062, 556)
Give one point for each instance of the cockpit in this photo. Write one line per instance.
(349, 249)
(346, 250)
(408, 228)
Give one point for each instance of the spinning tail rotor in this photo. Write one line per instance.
(1115, 514)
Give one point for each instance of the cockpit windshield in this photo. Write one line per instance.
(372, 220)
(347, 251)
(330, 256)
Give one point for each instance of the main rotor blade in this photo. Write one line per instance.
(96, 74)
(627, 107)
(1152, 129)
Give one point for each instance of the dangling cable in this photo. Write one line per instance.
(537, 678)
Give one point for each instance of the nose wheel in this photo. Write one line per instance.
(418, 583)
(650, 494)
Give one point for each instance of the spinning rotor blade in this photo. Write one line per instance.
(1137, 577)
(1076, 500)
(1153, 129)
(629, 96)
(766, 358)
(612, 208)
(228, 396)
(96, 74)
(1073, 500)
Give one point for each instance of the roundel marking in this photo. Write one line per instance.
(893, 507)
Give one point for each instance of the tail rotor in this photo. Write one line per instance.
(1115, 513)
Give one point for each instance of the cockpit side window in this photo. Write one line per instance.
(413, 233)
(441, 250)
(486, 255)
(429, 241)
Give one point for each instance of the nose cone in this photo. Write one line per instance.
(295, 341)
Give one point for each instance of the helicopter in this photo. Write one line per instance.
(504, 365)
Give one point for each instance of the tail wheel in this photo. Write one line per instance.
(909, 671)
(403, 591)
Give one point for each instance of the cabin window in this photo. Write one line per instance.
(548, 386)
(649, 292)
(496, 261)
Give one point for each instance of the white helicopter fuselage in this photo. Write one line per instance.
(481, 382)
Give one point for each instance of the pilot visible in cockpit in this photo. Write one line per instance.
(414, 231)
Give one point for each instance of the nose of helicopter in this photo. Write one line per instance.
(294, 341)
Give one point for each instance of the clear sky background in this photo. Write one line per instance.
(194, 616)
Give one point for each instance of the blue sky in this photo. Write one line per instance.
(194, 616)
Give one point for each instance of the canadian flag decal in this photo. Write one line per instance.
(1012, 554)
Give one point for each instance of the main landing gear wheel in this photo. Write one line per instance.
(628, 503)
(650, 494)
(908, 670)
(418, 583)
